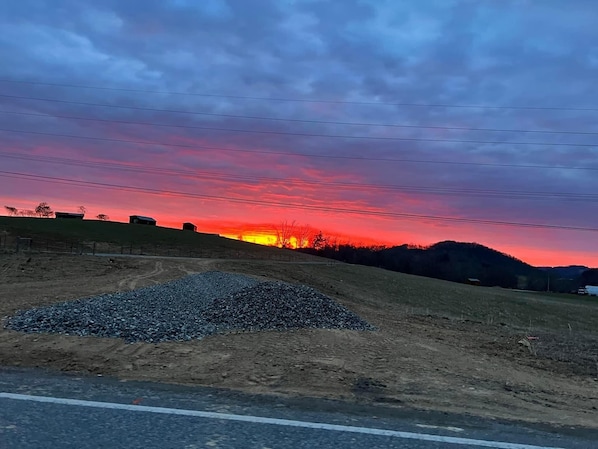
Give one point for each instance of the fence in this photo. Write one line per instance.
(4, 241)
(26, 245)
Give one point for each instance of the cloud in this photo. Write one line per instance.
(183, 84)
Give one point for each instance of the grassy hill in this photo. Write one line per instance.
(66, 235)
(457, 262)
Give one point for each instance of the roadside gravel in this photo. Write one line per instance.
(190, 308)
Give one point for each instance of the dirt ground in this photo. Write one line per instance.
(415, 359)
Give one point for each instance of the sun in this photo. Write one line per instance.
(260, 239)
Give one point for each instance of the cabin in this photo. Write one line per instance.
(140, 219)
(473, 281)
(71, 215)
(189, 227)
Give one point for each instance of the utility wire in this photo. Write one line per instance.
(254, 117)
(407, 139)
(236, 178)
(297, 100)
(287, 205)
(340, 136)
(308, 155)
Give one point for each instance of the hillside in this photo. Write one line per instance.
(455, 261)
(437, 345)
(431, 331)
(458, 262)
(448, 260)
(64, 235)
(568, 272)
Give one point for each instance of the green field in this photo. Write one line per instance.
(67, 235)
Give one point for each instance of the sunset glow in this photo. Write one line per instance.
(386, 126)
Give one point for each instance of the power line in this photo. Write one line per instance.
(348, 136)
(308, 155)
(290, 205)
(399, 139)
(254, 117)
(298, 100)
(244, 178)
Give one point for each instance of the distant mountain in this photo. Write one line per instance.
(464, 262)
(457, 261)
(570, 272)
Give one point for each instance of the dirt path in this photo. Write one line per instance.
(419, 361)
(132, 281)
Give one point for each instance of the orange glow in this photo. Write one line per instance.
(239, 222)
(260, 239)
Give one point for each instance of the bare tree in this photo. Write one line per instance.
(82, 209)
(44, 210)
(11, 210)
(284, 232)
(302, 235)
(27, 213)
(103, 217)
(333, 243)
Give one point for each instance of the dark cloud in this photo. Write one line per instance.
(455, 53)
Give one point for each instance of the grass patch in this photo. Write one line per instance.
(61, 235)
(423, 296)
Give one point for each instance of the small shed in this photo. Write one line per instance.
(71, 215)
(189, 227)
(140, 219)
(473, 281)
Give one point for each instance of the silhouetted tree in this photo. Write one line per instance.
(284, 232)
(302, 234)
(11, 210)
(319, 241)
(82, 209)
(102, 217)
(44, 210)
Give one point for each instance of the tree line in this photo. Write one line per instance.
(44, 210)
(455, 261)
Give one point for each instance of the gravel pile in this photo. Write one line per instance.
(278, 305)
(191, 308)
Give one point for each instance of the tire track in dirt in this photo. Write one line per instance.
(131, 281)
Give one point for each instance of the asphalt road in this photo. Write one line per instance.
(39, 409)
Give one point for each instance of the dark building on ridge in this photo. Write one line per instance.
(140, 219)
(189, 227)
(69, 215)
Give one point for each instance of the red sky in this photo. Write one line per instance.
(259, 226)
(383, 123)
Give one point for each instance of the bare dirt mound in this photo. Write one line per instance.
(438, 345)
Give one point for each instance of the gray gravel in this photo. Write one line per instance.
(191, 308)
(278, 305)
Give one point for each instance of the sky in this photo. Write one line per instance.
(375, 122)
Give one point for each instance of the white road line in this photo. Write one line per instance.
(273, 421)
(449, 428)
